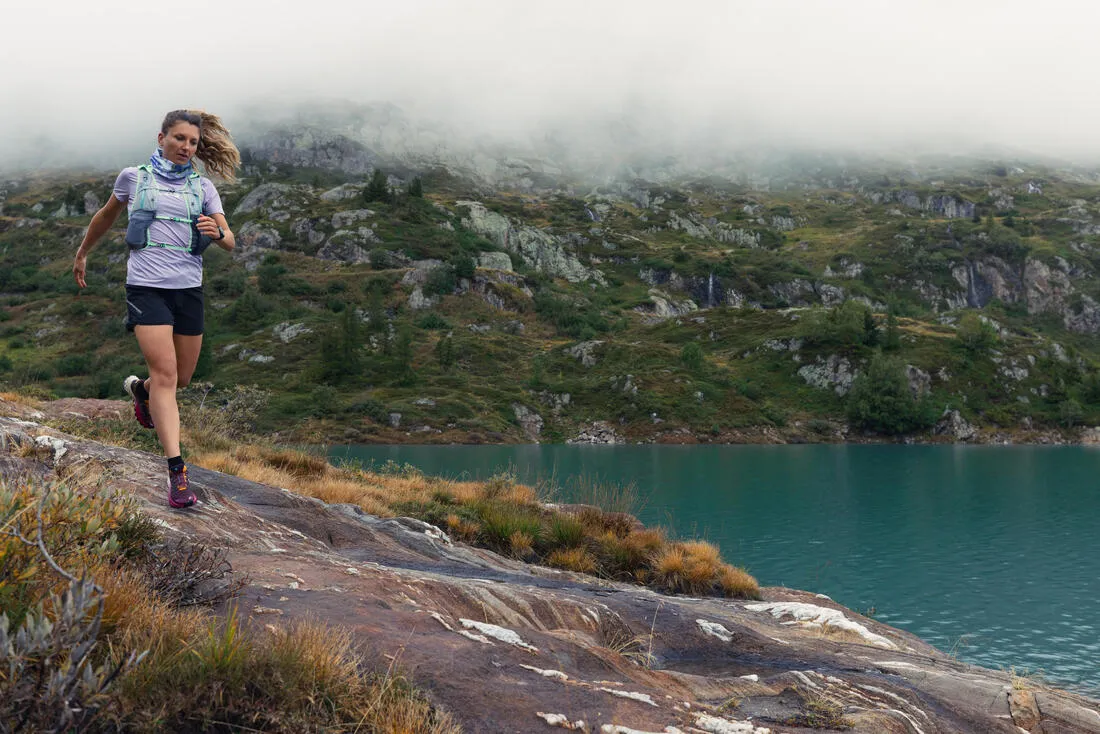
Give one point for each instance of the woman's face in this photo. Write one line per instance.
(180, 142)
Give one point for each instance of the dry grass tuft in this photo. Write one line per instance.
(462, 529)
(738, 583)
(572, 559)
(522, 545)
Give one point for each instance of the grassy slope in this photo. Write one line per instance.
(73, 344)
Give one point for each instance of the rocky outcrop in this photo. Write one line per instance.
(540, 250)
(529, 421)
(309, 231)
(509, 647)
(940, 205)
(313, 147)
(494, 261)
(342, 220)
(287, 332)
(253, 242)
(1042, 287)
(270, 199)
(584, 352)
(599, 432)
(833, 373)
(665, 307)
(920, 382)
(954, 425)
(712, 229)
(344, 192)
(348, 247)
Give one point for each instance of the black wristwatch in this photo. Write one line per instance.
(221, 234)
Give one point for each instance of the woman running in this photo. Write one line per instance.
(174, 215)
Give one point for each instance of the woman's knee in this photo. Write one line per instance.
(163, 376)
(183, 381)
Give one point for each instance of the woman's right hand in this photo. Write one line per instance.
(98, 227)
(80, 266)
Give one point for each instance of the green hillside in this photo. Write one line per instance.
(827, 305)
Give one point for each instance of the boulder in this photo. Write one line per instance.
(529, 421)
(286, 332)
(418, 301)
(91, 203)
(265, 198)
(600, 432)
(341, 220)
(584, 352)
(954, 425)
(343, 192)
(835, 373)
(253, 242)
(920, 382)
(345, 249)
(494, 261)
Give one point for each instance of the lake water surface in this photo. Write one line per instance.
(990, 553)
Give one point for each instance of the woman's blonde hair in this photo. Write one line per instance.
(216, 149)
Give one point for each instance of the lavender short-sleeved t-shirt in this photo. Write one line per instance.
(160, 267)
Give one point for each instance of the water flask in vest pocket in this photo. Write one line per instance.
(199, 241)
(137, 231)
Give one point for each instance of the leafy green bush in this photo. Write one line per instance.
(433, 320)
(464, 265)
(71, 365)
(881, 401)
(975, 334)
(580, 321)
(441, 281)
(692, 356)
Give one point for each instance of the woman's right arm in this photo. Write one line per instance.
(103, 220)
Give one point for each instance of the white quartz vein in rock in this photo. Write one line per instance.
(643, 697)
(714, 629)
(815, 616)
(498, 633)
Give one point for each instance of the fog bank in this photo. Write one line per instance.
(89, 83)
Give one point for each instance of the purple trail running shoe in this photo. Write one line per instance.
(135, 387)
(179, 490)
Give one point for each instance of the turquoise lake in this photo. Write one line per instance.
(988, 553)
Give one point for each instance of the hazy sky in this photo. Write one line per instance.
(91, 76)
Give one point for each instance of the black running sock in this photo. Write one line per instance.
(175, 463)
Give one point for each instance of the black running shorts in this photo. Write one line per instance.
(182, 308)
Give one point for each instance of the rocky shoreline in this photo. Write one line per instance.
(509, 647)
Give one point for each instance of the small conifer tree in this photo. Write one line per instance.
(378, 188)
(445, 352)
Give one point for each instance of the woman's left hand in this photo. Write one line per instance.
(207, 226)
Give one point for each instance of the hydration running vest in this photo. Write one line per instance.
(145, 210)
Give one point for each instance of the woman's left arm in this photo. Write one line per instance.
(229, 242)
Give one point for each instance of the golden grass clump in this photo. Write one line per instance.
(522, 545)
(696, 567)
(669, 568)
(738, 583)
(572, 559)
(464, 530)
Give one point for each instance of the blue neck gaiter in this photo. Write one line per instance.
(167, 169)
